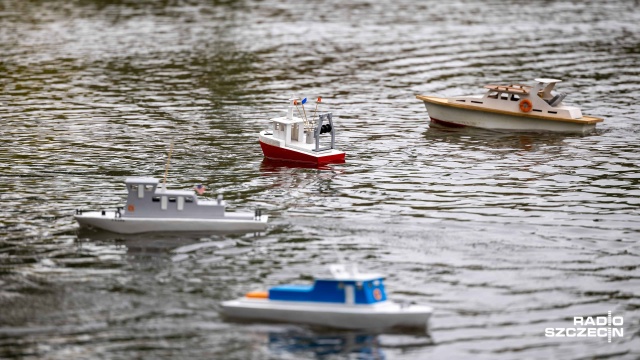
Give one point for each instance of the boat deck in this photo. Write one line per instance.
(512, 89)
(268, 138)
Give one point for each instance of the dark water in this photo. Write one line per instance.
(503, 234)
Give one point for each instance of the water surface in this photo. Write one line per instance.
(503, 234)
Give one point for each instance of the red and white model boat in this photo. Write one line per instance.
(512, 107)
(297, 139)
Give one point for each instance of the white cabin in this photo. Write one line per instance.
(508, 98)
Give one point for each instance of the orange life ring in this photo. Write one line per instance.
(131, 208)
(377, 294)
(526, 105)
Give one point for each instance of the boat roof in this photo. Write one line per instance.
(513, 88)
(548, 81)
(357, 277)
(343, 272)
(141, 180)
(285, 120)
(175, 192)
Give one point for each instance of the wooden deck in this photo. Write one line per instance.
(511, 89)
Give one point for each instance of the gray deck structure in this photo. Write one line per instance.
(151, 207)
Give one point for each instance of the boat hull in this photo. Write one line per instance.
(126, 225)
(447, 114)
(276, 152)
(387, 314)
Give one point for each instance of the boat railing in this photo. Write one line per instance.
(321, 128)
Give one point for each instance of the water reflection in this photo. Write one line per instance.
(160, 244)
(498, 139)
(488, 227)
(319, 343)
(323, 345)
(272, 166)
(148, 243)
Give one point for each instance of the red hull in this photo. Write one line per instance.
(278, 153)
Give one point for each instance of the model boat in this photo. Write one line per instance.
(151, 207)
(298, 138)
(512, 107)
(348, 300)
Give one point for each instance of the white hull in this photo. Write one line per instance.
(500, 121)
(294, 150)
(382, 315)
(125, 225)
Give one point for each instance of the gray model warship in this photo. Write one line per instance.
(151, 207)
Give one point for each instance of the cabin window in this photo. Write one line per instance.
(552, 112)
(376, 282)
(133, 187)
(515, 97)
(341, 285)
(462, 100)
(155, 199)
(148, 188)
(504, 96)
(493, 95)
(537, 110)
(370, 285)
(359, 286)
(188, 199)
(276, 126)
(172, 199)
(476, 102)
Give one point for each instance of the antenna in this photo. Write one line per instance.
(316, 110)
(166, 168)
(305, 113)
(304, 119)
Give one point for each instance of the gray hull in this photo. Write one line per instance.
(128, 225)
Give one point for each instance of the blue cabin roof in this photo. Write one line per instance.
(346, 291)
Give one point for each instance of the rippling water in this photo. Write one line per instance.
(503, 234)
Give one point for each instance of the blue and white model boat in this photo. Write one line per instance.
(151, 207)
(349, 300)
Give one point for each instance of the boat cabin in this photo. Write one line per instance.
(513, 92)
(148, 198)
(534, 100)
(302, 132)
(347, 287)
